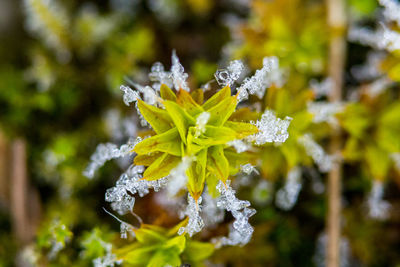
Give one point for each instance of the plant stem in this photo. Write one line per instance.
(337, 53)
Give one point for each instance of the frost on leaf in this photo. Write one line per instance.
(286, 197)
(316, 152)
(178, 74)
(325, 111)
(177, 177)
(240, 231)
(268, 75)
(106, 152)
(201, 123)
(160, 76)
(229, 75)
(377, 207)
(195, 222)
(271, 129)
(391, 10)
(128, 184)
(239, 145)
(248, 169)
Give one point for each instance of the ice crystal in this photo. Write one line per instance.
(271, 129)
(391, 10)
(325, 111)
(241, 231)
(382, 38)
(106, 152)
(316, 152)
(195, 222)
(201, 123)
(125, 228)
(211, 213)
(229, 75)
(322, 88)
(129, 95)
(248, 169)
(286, 197)
(178, 74)
(109, 260)
(239, 145)
(320, 253)
(263, 78)
(177, 176)
(128, 184)
(160, 76)
(377, 207)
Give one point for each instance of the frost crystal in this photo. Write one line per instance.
(201, 123)
(325, 111)
(391, 11)
(271, 129)
(178, 177)
(316, 152)
(229, 75)
(241, 231)
(160, 76)
(286, 197)
(178, 73)
(124, 227)
(268, 75)
(248, 169)
(239, 145)
(383, 38)
(106, 152)
(128, 184)
(129, 95)
(195, 223)
(377, 207)
(211, 213)
(322, 88)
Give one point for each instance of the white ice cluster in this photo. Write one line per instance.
(201, 122)
(125, 228)
(286, 197)
(108, 260)
(195, 222)
(49, 20)
(268, 75)
(322, 88)
(391, 10)
(378, 86)
(240, 231)
(231, 74)
(383, 38)
(211, 213)
(369, 70)
(178, 74)
(325, 111)
(271, 129)
(128, 184)
(239, 145)
(177, 178)
(377, 207)
(316, 152)
(248, 169)
(106, 152)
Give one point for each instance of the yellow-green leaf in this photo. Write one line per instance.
(166, 93)
(156, 117)
(217, 163)
(165, 257)
(161, 167)
(242, 129)
(180, 117)
(197, 251)
(221, 112)
(178, 242)
(198, 96)
(146, 159)
(216, 136)
(187, 102)
(196, 174)
(217, 98)
(168, 142)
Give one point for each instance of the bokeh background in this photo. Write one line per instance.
(61, 65)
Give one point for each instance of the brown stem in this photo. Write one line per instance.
(337, 54)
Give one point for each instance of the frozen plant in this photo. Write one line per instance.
(241, 231)
(286, 197)
(125, 228)
(316, 152)
(239, 145)
(231, 74)
(391, 10)
(268, 75)
(377, 207)
(178, 74)
(177, 178)
(160, 76)
(195, 222)
(325, 111)
(322, 88)
(201, 122)
(271, 129)
(248, 169)
(106, 152)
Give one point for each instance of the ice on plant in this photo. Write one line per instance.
(106, 152)
(231, 74)
(322, 88)
(316, 152)
(211, 213)
(240, 231)
(177, 178)
(286, 197)
(370, 70)
(271, 129)
(159, 76)
(248, 169)
(201, 122)
(195, 222)
(391, 10)
(178, 74)
(383, 38)
(239, 145)
(268, 75)
(325, 111)
(129, 95)
(377, 207)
